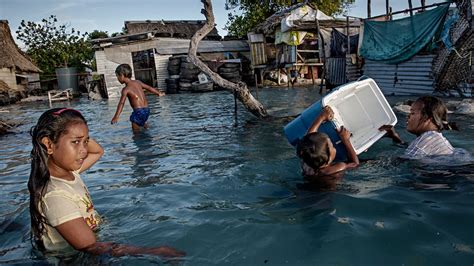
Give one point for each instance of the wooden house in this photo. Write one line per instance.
(301, 38)
(17, 73)
(149, 46)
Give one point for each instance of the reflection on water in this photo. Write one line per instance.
(234, 195)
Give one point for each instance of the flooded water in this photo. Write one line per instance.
(235, 195)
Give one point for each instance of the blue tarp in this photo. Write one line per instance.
(398, 40)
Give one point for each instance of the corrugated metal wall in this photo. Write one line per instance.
(412, 77)
(257, 50)
(335, 70)
(107, 67)
(352, 68)
(161, 64)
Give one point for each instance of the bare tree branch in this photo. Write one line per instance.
(240, 88)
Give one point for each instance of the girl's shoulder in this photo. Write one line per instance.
(65, 185)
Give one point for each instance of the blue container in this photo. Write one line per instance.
(296, 129)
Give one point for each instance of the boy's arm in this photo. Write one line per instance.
(352, 159)
(120, 105)
(94, 152)
(152, 90)
(325, 115)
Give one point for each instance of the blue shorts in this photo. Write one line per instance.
(140, 116)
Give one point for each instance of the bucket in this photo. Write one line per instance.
(67, 79)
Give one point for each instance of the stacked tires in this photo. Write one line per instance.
(247, 73)
(184, 76)
(230, 71)
(172, 83)
(188, 74)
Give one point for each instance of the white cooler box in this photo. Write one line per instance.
(358, 106)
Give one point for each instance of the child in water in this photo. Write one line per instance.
(428, 117)
(61, 209)
(134, 92)
(317, 152)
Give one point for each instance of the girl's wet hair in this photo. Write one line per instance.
(313, 149)
(52, 124)
(435, 109)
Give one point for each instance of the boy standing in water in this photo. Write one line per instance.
(134, 92)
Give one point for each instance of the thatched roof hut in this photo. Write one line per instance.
(173, 28)
(4, 88)
(10, 55)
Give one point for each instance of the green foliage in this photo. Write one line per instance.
(123, 32)
(98, 34)
(253, 12)
(51, 45)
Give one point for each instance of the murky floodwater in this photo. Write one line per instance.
(234, 195)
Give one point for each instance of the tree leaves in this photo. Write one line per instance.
(51, 45)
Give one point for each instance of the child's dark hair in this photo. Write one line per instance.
(435, 109)
(313, 149)
(52, 124)
(125, 70)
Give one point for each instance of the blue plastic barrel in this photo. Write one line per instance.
(296, 129)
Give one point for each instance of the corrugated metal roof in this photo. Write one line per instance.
(412, 77)
(171, 46)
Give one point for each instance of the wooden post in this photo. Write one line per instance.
(387, 8)
(278, 77)
(256, 80)
(323, 52)
(235, 108)
(261, 79)
(368, 8)
(410, 6)
(423, 3)
(288, 74)
(323, 76)
(348, 37)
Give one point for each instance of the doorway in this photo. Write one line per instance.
(144, 67)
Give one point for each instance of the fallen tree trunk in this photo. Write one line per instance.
(240, 89)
